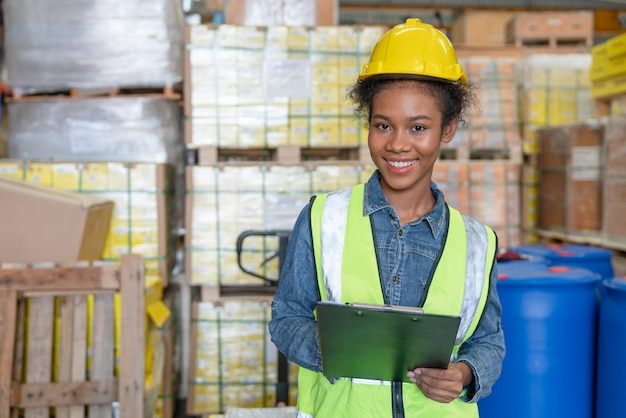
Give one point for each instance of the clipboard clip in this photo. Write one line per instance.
(386, 307)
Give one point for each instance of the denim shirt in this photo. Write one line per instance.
(407, 261)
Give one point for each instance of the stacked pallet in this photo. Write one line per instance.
(95, 110)
(551, 29)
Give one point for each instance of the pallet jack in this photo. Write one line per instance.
(269, 286)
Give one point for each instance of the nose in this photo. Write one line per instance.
(399, 141)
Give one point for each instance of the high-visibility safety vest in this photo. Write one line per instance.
(347, 271)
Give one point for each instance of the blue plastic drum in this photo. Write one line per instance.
(611, 378)
(589, 257)
(549, 319)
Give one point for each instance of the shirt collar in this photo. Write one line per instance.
(375, 200)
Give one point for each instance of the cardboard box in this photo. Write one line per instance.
(41, 224)
(480, 28)
(614, 204)
(570, 178)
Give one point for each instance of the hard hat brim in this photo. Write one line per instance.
(462, 81)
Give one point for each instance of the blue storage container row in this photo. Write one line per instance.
(564, 318)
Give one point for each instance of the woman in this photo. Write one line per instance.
(395, 241)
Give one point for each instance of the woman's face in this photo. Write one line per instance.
(405, 137)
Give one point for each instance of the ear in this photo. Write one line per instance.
(449, 130)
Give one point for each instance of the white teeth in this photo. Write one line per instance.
(401, 164)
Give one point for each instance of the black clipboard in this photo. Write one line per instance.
(382, 342)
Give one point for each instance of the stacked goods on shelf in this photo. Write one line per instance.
(270, 86)
(233, 364)
(494, 126)
(225, 200)
(120, 129)
(608, 76)
(570, 178)
(555, 91)
(488, 190)
(275, 13)
(551, 29)
(142, 195)
(614, 202)
(110, 44)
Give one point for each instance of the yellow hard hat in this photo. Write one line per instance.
(415, 49)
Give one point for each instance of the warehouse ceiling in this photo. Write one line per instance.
(517, 4)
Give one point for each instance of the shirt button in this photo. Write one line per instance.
(394, 278)
(392, 215)
(400, 232)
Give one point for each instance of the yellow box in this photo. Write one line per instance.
(325, 109)
(66, 176)
(299, 106)
(250, 37)
(324, 131)
(227, 35)
(95, 176)
(11, 169)
(349, 132)
(40, 173)
(600, 52)
(277, 37)
(325, 38)
(299, 131)
(349, 67)
(325, 74)
(348, 38)
(616, 46)
(201, 34)
(326, 94)
(298, 38)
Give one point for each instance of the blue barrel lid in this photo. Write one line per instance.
(569, 251)
(617, 283)
(580, 251)
(551, 275)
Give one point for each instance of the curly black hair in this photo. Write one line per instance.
(454, 99)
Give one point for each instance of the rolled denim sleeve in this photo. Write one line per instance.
(484, 351)
(293, 328)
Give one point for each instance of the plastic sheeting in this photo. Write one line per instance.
(285, 412)
(67, 44)
(125, 129)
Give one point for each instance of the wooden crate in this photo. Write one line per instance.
(27, 321)
(551, 29)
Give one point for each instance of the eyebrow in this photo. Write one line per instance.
(416, 118)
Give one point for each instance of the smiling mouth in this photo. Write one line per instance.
(401, 164)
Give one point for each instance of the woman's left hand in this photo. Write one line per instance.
(442, 385)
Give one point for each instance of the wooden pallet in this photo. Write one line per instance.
(282, 155)
(165, 93)
(464, 153)
(31, 336)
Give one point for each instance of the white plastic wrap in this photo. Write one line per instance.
(125, 129)
(284, 412)
(63, 44)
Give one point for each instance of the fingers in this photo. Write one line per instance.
(441, 385)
